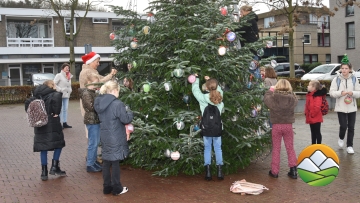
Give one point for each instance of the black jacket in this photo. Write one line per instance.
(113, 117)
(248, 25)
(49, 136)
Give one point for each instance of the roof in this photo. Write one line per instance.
(301, 9)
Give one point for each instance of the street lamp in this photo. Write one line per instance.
(303, 42)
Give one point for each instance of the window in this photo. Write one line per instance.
(328, 58)
(285, 40)
(349, 10)
(67, 25)
(310, 58)
(307, 39)
(268, 21)
(279, 68)
(350, 35)
(100, 20)
(323, 39)
(27, 29)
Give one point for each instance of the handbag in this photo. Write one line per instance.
(244, 187)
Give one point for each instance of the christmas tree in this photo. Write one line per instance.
(175, 39)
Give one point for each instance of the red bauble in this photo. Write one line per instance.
(223, 11)
(112, 36)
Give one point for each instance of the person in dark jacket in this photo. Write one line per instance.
(249, 28)
(113, 117)
(92, 122)
(49, 137)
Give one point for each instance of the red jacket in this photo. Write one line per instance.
(313, 106)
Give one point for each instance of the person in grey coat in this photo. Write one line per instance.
(113, 116)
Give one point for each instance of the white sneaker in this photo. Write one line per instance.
(350, 150)
(341, 142)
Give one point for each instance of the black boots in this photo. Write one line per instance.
(220, 174)
(55, 168)
(65, 125)
(273, 175)
(208, 172)
(293, 173)
(44, 172)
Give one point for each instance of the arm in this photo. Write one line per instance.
(124, 116)
(56, 103)
(57, 81)
(268, 99)
(356, 92)
(334, 92)
(197, 92)
(315, 107)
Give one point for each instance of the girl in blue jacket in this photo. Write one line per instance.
(213, 97)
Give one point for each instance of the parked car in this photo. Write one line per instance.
(36, 79)
(283, 70)
(326, 72)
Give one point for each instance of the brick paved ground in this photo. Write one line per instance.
(20, 171)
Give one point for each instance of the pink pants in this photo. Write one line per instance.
(282, 131)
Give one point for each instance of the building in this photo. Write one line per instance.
(346, 21)
(311, 36)
(32, 41)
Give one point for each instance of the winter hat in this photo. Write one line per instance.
(90, 57)
(345, 59)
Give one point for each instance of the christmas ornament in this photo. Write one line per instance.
(112, 36)
(273, 63)
(116, 63)
(151, 18)
(180, 125)
(223, 11)
(134, 64)
(235, 18)
(146, 87)
(222, 50)
(167, 153)
(249, 85)
(258, 107)
(196, 127)
(175, 155)
(260, 52)
(186, 99)
(131, 32)
(230, 36)
(134, 44)
(234, 118)
(178, 72)
(252, 65)
(130, 127)
(269, 44)
(348, 100)
(237, 44)
(191, 78)
(345, 59)
(146, 30)
(167, 86)
(253, 113)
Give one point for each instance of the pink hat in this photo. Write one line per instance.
(90, 57)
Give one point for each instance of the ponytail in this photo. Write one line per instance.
(215, 96)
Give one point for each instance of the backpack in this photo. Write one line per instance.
(36, 113)
(338, 81)
(324, 105)
(211, 125)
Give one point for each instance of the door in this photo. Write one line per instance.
(15, 76)
(48, 68)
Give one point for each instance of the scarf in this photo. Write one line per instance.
(68, 75)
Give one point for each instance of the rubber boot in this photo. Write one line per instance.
(44, 172)
(220, 174)
(65, 125)
(55, 168)
(293, 173)
(208, 172)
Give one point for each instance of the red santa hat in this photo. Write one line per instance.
(90, 57)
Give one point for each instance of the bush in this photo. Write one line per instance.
(299, 85)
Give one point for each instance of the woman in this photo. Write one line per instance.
(213, 97)
(62, 81)
(113, 117)
(248, 26)
(282, 102)
(270, 77)
(49, 137)
(345, 91)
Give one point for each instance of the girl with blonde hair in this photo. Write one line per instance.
(282, 102)
(213, 97)
(113, 116)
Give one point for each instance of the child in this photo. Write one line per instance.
(313, 113)
(113, 116)
(262, 72)
(270, 77)
(281, 102)
(92, 122)
(213, 97)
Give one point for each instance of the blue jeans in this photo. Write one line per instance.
(56, 156)
(64, 108)
(93, 142)
(217, 148)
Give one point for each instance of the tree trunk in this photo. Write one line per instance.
(291, 41)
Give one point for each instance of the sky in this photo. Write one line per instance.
(142, 4)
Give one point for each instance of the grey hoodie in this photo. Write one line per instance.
(113, 118)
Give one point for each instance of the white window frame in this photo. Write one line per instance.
(102, 22)
(65, 21)
(305, 41)
(283, 40)
(267, 21)
(350, 35)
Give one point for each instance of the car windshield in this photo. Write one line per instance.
(322, 69)
(43, 76)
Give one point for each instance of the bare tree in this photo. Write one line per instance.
(291, 9)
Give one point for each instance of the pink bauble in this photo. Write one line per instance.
(130, 127)
(191, 78)
(112, 36)
(348, 100)
(175, 155)
(223, 11)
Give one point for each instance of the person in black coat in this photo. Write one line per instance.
(113, 117)
(248, 26)
(49, 137)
